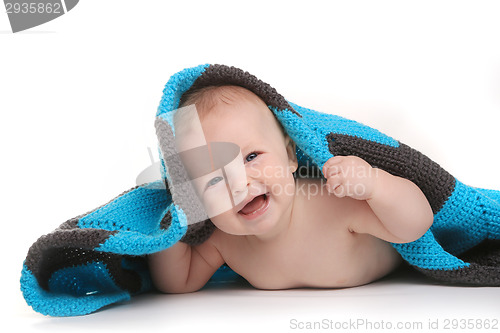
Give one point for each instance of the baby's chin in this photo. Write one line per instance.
(232, 224)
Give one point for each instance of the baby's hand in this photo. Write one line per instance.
(350, 176)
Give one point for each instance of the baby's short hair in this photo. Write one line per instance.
(207, 98)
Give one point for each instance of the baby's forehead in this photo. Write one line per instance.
(243, 115)
(236, 104)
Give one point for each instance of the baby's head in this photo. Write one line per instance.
(263, 187)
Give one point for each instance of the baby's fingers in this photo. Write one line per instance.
(335, 185)
(332, 166)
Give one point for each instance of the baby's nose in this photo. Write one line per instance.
(238, 185)
(239, 189)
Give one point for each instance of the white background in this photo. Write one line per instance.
(78, 97)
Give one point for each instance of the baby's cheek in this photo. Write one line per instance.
(269, 168)
(283, 186)
(254, 169)
(217, 201)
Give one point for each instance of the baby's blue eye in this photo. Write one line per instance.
(250, 157)
(214, 181)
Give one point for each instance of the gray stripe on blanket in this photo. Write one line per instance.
(403, 161)
(218, 75)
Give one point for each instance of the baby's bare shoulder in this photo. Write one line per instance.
(229, 246)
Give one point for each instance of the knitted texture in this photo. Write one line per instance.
(98, 258)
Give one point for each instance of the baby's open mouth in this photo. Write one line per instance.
(254, 206)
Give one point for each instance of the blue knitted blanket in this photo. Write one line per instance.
(99, 258)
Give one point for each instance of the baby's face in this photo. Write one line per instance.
(259, 180)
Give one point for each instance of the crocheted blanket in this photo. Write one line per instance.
(99, 258)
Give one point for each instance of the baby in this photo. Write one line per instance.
(290, 232)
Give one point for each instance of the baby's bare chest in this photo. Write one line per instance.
(321, 252)
(316, 260)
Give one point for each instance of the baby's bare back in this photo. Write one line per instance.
(317, 250)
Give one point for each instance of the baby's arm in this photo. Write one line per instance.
(182, 268)
(400, 206)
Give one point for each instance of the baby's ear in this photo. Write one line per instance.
(290, 150)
